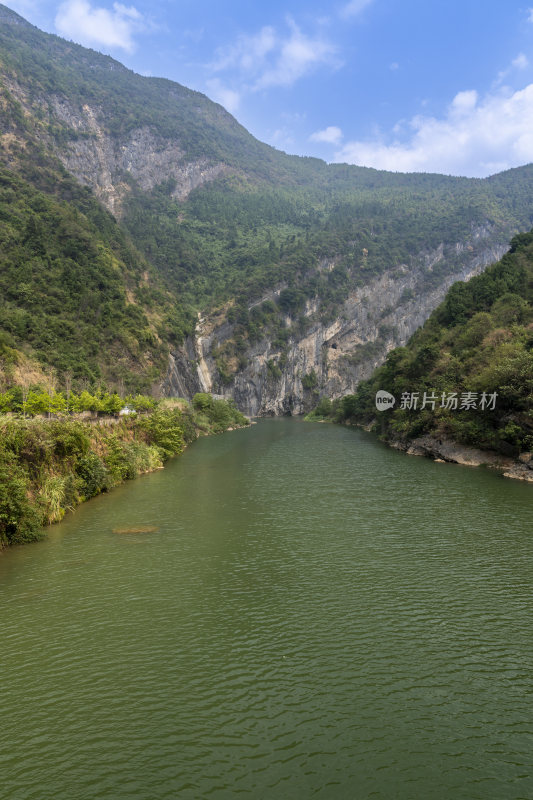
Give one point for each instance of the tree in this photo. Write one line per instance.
(25, 383)
(67, 376)
(51, 389)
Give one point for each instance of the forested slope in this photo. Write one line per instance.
(478, 346)
(77, 296)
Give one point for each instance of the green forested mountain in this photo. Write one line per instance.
(75, 292)
(479, 341)
(129, 204)
(73, 289)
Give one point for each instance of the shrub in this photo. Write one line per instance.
(142, 457)
(19, 522)
(220, 416)
(154, 457)
(202, 401)
(324, 407)
(273, 369)
(30, 441)
(119, 462)
(310, 381)
(53, 498)
(93, 475)
(69, 439)
(188, 427)
(163, 429)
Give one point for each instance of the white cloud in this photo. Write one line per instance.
(248, 52)
(266, 59)
(330, 135)
(80, 21)
(394, 66)
(474, 138)
(521, 61)
(297, 56)
(353, 8)
(228, 98)
(269, 58)
(530, 17)
(463, 102)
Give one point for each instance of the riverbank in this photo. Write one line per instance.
(436, 444)
(444, 449)
(50, 466)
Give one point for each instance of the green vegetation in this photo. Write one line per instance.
(325, 411)
(76, 295)
(108, 300)
(39, 401)
(215, 415)
(49, 466)
(236, 239)
(479, 340)
(310, 381)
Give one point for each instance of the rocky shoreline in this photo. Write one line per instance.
(442, 449)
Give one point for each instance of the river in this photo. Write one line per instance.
(316, 616)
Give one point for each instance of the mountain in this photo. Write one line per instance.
(477, 343)
(226, 265)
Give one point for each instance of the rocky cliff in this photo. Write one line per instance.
(112, 164)
(328, 359)
(108, 163)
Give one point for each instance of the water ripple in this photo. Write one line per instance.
(317, 616)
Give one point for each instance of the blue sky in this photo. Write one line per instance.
(417, 85)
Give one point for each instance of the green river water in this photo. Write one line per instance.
(317, 616)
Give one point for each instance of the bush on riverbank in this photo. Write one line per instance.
(216, 415)
(49, 466)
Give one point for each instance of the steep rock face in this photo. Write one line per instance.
(107, 163)
(102, 162)
(182, 378)
(328, 359)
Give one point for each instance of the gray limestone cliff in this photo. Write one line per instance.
(110, 163)
(329, 358)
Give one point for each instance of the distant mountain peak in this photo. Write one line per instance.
(9, 17)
